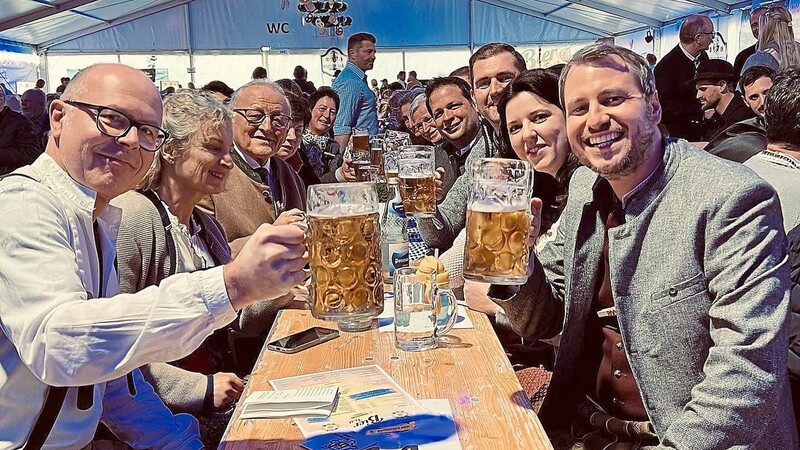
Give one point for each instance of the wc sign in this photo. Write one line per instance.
(278, 28)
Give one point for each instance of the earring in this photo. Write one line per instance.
(170, 159)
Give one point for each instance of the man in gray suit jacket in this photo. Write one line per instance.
(668, 281)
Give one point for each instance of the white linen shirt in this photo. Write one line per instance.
(54, 333)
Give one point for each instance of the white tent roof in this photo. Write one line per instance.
(46, 24)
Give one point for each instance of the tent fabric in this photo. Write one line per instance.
(184, 25)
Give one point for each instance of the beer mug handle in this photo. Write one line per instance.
(448, 311)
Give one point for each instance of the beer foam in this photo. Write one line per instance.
(489, 206)
(340, 210)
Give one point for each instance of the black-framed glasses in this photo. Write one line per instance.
(256, 117)
(707, 32)
(116, 124)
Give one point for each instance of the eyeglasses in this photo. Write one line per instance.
(116, 124)
(707, 32)
(256, 117)
(417, 128)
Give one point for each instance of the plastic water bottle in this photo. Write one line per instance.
(394, 237)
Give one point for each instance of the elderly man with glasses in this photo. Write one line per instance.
(262, 188)
(682, 115)
(70, 346)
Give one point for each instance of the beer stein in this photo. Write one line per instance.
(498, 221)
(393, 142)
(421, 314)
(417, 171)
(344, 254)
(377, 149)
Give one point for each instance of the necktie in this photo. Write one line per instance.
(264, 174)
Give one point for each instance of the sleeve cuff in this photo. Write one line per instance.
(502, 293)
(216, 296)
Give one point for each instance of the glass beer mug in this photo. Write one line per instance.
(345, 254)
(498, 221)
(417, 170)
(422, 311)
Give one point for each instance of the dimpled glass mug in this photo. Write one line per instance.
(498, 221)
(417, 170)
(344, 254)
(420, 313)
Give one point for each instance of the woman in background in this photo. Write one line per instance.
(322, 150)
(776, 37)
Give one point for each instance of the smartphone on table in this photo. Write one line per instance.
(303, 340)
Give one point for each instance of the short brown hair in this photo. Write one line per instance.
(493, 49)
(357, 39)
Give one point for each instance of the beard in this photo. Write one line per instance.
(638, 151)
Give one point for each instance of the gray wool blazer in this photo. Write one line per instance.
(700, 280)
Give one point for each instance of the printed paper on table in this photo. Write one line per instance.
(367, 395)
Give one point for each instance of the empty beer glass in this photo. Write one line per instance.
(420, 313)
(344, 254)
(393, 142)
(417, 170)
(498, 221)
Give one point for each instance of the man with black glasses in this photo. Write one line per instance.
(70, 346)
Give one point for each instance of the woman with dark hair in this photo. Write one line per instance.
(322, 150)
(533, 126)
(533, 129)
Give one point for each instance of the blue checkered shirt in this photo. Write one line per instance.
(357, 106)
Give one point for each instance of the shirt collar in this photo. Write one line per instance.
(60, 181)
(357, 70)
(67, 188)
(249, 159)
(782, 159)
(641, 186)
(689, 55)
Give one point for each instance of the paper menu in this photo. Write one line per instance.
(367, 395)
(318, 402)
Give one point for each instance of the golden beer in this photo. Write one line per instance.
(363, 170)
(419, 195)
(361, 144)
(497, 246)
(376, 159)
(345, 257)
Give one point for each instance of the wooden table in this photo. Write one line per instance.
(489, 406)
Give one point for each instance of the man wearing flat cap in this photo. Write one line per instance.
(715, 82)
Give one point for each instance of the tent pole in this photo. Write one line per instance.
(188, 35)
(470, 8)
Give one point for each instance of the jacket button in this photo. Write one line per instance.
(673, 292)
(617, 374)
(618, 345)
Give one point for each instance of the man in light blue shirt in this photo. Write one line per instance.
(357, 106)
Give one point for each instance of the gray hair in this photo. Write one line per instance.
(599, 51)
(419, 101)
(187, 112)
(258, 82)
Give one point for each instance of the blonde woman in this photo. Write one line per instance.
(776, 37)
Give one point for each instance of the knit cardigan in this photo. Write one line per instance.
(143, 261)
